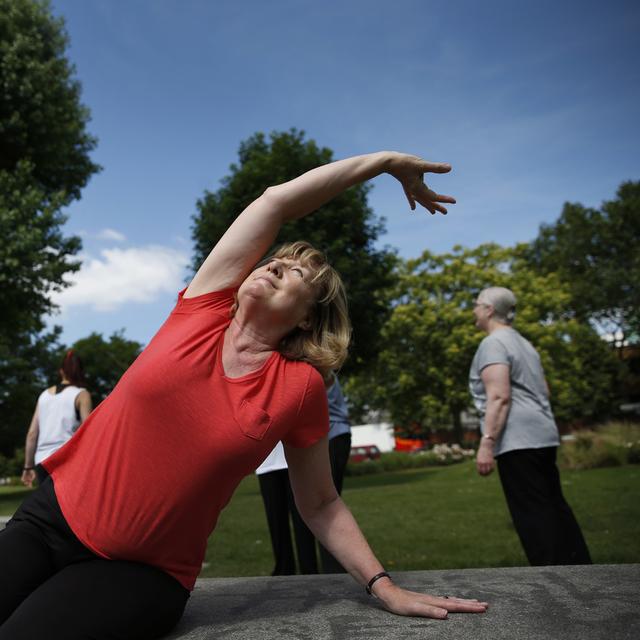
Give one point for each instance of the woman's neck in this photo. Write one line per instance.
(494, 325)
(244, 349)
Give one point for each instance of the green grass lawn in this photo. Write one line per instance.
(433, 518)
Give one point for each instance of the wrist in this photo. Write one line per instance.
(389, 159)
(378, 584)
(383, 589)
(487, 441)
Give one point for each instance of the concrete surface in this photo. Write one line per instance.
(546, 603)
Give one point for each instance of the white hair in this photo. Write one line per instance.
(503, 302)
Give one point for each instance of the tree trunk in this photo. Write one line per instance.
(457, 425)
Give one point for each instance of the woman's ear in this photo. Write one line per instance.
(305, 325)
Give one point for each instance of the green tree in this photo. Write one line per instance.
(105, 361)
(24, 373)
(595, 253)
(42, 119)
(345, 228)
(44, 163)
(429, 340)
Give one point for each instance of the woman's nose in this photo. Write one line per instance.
(275, 267)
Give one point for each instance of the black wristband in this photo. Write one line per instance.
(382, 574)
(28, 468)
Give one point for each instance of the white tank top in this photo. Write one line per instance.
(57, 420)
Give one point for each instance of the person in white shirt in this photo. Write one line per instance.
(59, 412)
(279, 503)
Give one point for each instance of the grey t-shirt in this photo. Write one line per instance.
(530, 423)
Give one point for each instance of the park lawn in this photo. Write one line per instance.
(433, 518)
(10, 498)
(441, 518)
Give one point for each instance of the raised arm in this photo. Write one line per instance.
(335, 527)
(256, 228)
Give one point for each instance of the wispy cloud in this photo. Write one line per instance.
(108, 234)
(120, 276)
(111, 234)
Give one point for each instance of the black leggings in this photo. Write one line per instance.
(52, 586)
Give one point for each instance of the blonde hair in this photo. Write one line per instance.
(325, 344)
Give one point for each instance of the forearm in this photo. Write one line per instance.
(496, 416)
(337, 530)
(311, 190)
(30, 449)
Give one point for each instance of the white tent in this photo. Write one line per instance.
(380, 434)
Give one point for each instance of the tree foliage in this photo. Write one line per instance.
(595, 253)
(105, 361)
(34, 254)
(24, 372)
(345, 228)
(421, 375)
(37, 368)
(44, 163)
(42, 118)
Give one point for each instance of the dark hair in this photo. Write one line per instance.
(72, 369)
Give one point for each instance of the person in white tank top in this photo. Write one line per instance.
(59, 411)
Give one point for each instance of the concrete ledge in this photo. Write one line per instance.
(545, 603)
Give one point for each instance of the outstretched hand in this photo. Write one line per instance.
(410, 603)
(409, 171)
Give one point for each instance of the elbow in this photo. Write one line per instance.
(313, 511)
(272, 196)
(275, 199)
(502, 401)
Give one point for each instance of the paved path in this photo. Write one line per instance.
(544, 603)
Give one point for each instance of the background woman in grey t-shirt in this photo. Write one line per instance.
(509, 390)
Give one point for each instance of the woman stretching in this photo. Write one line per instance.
(111, 544)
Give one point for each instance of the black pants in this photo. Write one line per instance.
(279, 504)
(53, 587)
(41, 474)
(543, 520)
(339, 450)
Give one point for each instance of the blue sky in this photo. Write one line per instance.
(533, 104)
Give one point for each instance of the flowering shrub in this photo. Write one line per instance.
(439, 455)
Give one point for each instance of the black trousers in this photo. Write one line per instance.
(339, 450)
(53, 587)
(41, 474)
(279, 504)
(548, 530)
